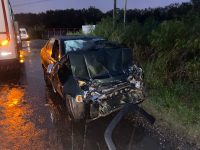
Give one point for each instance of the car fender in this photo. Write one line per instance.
(71, 87)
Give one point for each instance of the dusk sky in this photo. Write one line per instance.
(36, 6)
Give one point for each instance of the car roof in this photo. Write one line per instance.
(74, 37)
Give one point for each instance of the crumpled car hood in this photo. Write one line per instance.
(101, 63)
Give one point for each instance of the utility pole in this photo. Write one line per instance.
(125, 8)
(114, 13)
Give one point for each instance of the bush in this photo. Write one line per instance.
(171, 45)
(104, 28)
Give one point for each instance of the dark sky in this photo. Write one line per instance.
(104, 5)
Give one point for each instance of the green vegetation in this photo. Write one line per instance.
(169, 52)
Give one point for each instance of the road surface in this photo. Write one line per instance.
(34, 118)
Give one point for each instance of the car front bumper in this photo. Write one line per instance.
(113, 99)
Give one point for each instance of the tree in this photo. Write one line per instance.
(196, 4)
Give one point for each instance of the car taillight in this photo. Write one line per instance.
(4, 42)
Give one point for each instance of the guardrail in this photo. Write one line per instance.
(127, 108)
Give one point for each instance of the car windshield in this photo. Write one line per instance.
(75, 45)
(23, 32)
(87, 44)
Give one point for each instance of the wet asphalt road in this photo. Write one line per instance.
(34, 118)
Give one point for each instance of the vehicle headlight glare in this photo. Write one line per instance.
(5, 54)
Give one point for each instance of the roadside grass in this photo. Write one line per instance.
(176, 105)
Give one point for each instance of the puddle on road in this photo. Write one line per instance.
(17, 132)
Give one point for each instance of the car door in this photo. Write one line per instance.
(55, 56)
(46, 53)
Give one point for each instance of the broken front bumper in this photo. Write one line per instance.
(109, 100)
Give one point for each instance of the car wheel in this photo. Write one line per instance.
(76, 110)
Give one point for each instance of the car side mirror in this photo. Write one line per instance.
(50, 68)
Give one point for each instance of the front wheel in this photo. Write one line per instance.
(76, 110)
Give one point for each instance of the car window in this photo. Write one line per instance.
(49, 46)
(55, 51)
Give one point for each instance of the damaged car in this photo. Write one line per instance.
(93, 76)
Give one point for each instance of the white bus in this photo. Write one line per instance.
(9, 41)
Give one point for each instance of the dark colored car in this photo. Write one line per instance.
(95, 77)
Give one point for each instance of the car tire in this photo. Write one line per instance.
(76, 110)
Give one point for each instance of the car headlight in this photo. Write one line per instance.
(81, 83)
(79, 98)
